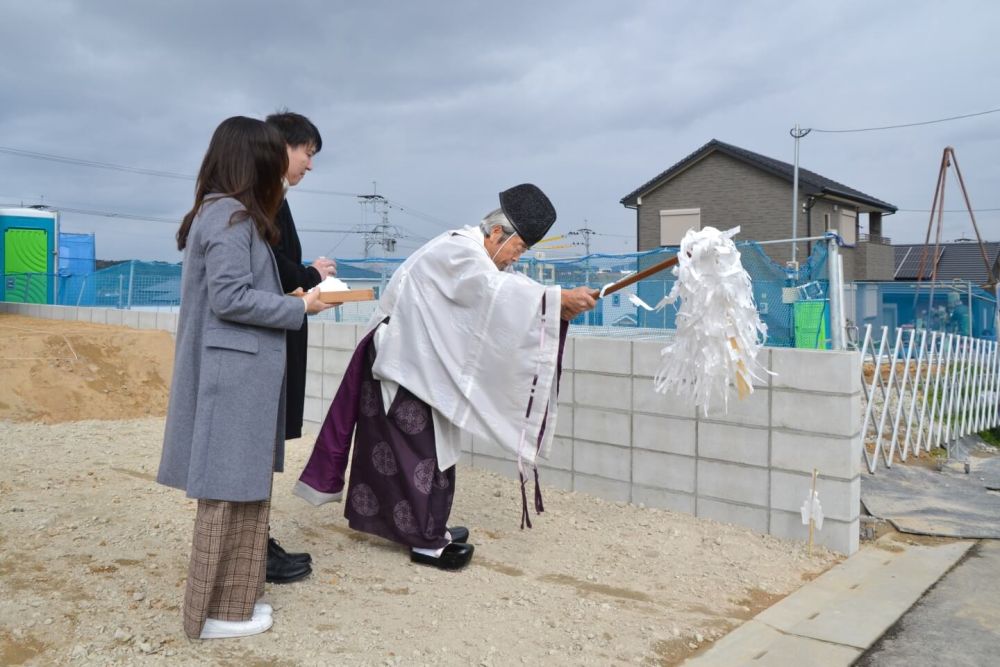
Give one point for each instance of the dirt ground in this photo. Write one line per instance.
(93, 553)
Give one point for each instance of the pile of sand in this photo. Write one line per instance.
(56, 371)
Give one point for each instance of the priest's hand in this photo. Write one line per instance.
(576, 301)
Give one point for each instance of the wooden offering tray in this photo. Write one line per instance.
(343, 296)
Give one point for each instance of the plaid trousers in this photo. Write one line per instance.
(228, 562)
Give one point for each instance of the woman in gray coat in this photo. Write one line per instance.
(225, 423)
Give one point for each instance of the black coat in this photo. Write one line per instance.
(288, 253)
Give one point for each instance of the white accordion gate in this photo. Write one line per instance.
(925, 390)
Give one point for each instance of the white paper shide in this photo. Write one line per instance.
(719, 331)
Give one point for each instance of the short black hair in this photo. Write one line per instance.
(296, 128)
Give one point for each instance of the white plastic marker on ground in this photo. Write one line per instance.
(719, 332)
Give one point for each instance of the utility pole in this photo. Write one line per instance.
(381, 234)
(586, 233)
(797, 134)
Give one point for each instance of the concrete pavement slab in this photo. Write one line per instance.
(832, 619)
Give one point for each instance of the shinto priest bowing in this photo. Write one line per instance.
(460, 346)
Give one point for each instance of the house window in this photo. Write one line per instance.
(674, 223)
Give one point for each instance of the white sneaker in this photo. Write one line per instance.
(216, 629)
(263, 608)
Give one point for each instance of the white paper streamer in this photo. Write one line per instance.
(811, 509)
(718, 329)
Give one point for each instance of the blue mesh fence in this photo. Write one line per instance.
(795, 308)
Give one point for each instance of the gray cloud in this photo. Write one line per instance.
(445, 104)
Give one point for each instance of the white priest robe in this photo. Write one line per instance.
(477, 344)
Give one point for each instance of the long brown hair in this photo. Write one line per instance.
(246, 160)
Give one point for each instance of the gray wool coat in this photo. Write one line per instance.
(226, 420)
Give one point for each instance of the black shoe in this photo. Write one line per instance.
(454, 557)
(276, 552)
(285, 572)
(459, 534)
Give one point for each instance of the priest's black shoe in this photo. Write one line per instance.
(454, 557)
(276, 552)
(286, 571)
(459, 533)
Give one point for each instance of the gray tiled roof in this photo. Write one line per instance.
(962, 260)
(809, 181)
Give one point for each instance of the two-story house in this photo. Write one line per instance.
(722, 185)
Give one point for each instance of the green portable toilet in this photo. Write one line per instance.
(810, 324)
(29, 255)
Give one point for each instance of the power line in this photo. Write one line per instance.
(63, 159)
(894, 127)
(94, 163)
(947, 210)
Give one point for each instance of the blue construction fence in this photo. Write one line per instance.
(794, 306)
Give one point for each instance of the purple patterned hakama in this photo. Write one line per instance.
(396, 490)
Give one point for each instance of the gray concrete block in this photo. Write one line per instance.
(336, 361)
(602, 355)
(568, 352)
(331, 383)
(646, 357)
(646, 399)
(501, 467)
(751, 411)
(564, 421)
(671, 500)
(663, 471)
(801, 452)
(147, 319)
(738, 444)
(312, 410)
(130, 319)
(608, 489)
(816, 413)
(840, 536)
(490, 448)
(552, 478)
(601, 426)
(566, 388)
(602, 460)
(114, 316)
(166, 321)
(754, 518)
(340, 336)
(560, 455)
(817, 370)
(316, 330)
(314, 358)
(840, 499)
(664, 434)
(314, 384)
(732, 481)
(603, 391)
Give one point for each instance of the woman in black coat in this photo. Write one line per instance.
(303, 141)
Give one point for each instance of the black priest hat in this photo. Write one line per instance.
(529, 210)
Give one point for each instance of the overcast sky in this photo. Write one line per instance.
(445, 104)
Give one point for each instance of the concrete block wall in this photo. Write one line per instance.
(618, 439)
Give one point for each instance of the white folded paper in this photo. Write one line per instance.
(333, 284)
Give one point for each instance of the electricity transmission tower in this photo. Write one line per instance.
(381, 234)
